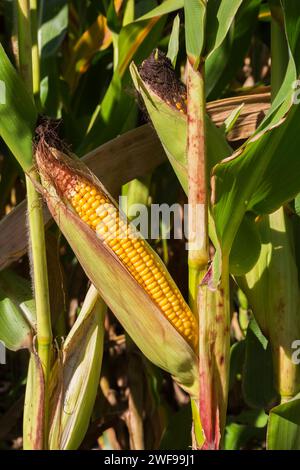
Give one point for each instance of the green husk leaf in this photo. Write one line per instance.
(75, 376)
(171, 127)
(198, 430)
(33, 421)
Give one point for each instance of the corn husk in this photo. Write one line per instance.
(135, 310)
(75, 376)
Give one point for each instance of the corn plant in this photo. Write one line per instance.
(123, 339)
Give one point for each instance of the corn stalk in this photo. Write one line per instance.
(36, 223)
(212, 306)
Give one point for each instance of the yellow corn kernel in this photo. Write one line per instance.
(100, 214)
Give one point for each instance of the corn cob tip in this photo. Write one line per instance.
(158, 73)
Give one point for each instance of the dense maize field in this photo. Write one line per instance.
(149, 226)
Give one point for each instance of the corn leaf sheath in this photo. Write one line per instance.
(147, 301)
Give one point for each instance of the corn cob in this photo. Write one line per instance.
(158, 73)
(95, 207)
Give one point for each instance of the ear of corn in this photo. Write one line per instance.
(164, 98)
(98, 211)
(95, 208)
(129, 275)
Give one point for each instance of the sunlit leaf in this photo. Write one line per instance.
(284, 427)
(17, 113)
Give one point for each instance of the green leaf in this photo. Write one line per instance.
(237, 359)
(174, 41)
(284, 427)
(195, 15)
(129, 12)
(248, 181)
(180, 440)
(241, 260)
(219, 17)
(257, 418)
(15, 332)
(113, 21)
(231, 120)
(284, 98)
(136, 40)
(52, 31)
(247, 426)
(272, 290)
(17, 311)
(19, 290)
(168, 6)
(237, 436)
(258, 378)
(258, 179)
(198, 429)
(17, 113)
(297, 205)
(291, 10)
(222, 64)
(54, 24)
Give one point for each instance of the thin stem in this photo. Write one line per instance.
(279, 52)
(286, 373)
(196, 274)
(24, 39)
(39, 261)
(35, 51)
(36, 222)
